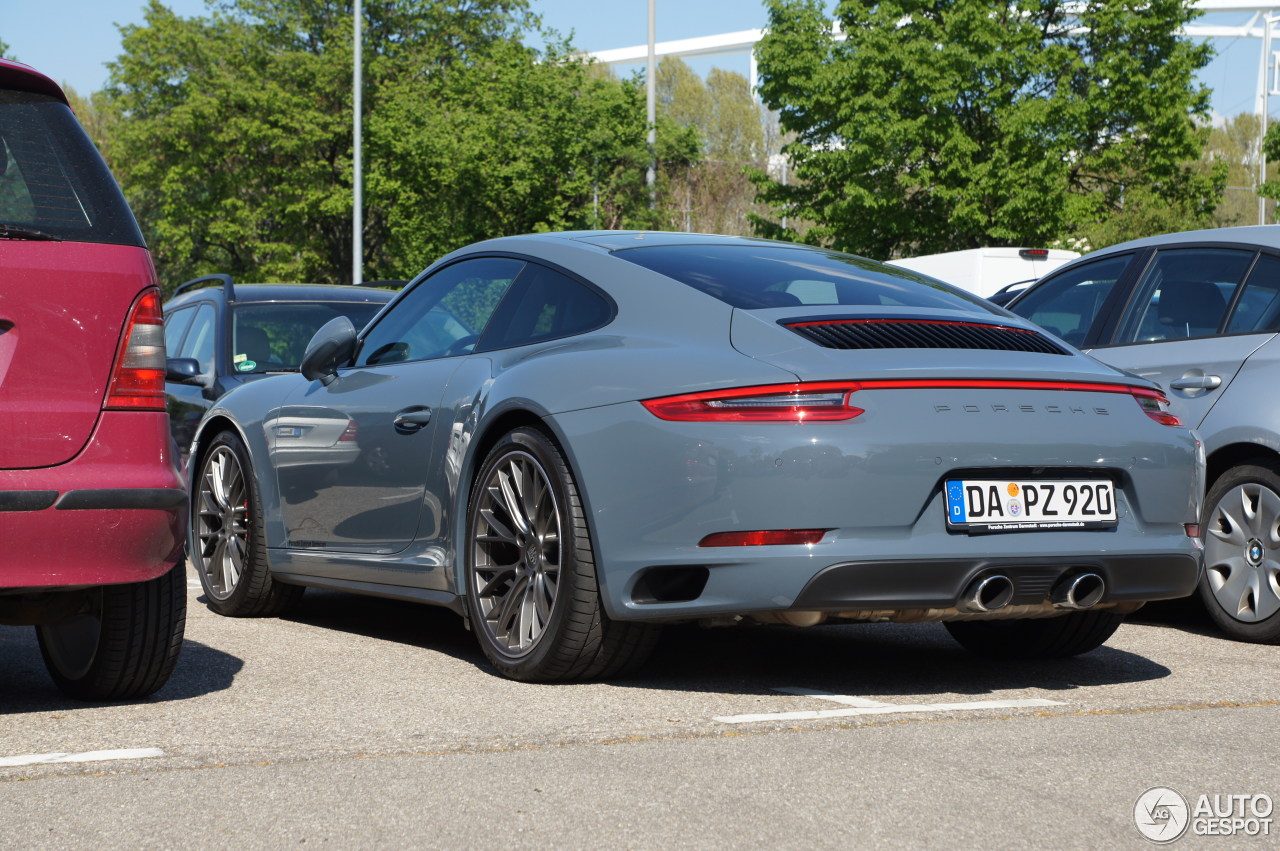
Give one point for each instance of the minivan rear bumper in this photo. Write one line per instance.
(115, 513)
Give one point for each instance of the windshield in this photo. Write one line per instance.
(53, 183)
(761, 276)
(272, 336)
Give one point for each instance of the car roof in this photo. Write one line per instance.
(249, 293)
(615, 239)
(1257, 235)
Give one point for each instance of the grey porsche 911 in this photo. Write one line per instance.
(571, 439)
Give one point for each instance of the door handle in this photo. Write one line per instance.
(412, 419)
(1196, 382)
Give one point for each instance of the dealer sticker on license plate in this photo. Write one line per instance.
(1003, 505)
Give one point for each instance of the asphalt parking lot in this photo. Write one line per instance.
(372, 723)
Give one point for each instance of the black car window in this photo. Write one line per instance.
(52, 179)
(272, 336)
(175, 325)
(544, 305)
(199, 341)
(1259, 306)
(761, 276)
(443, 315)
(1184, 293)
(1067, 304)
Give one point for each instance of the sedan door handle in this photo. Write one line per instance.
(412, 419)
(1196, 382)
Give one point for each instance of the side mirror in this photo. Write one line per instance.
(334, 345)
(183, 371)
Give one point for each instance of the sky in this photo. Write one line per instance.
(71, 40)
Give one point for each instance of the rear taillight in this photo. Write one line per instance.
(1155, 405)
(350, 433)
(763, 538)
(137, 378)
(791, 403)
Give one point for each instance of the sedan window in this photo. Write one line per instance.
(1259, 306)
(443, 315)
(1068, 304)
(1184, 294)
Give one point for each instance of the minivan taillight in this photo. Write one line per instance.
(137, 377)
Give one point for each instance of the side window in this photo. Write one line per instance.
(442, 316)
(175, 325)
(1068, 304)
(200, 339)
(1259, 306)
(1184, 294)
(544, 305)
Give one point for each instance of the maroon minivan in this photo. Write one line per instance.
(91, 495)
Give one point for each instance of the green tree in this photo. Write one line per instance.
(716, 194)
(234, 142)
(1270, 189)
(936, 125)
(681, 94)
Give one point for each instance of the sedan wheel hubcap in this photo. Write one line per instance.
(222, 522)
(1242, 552)
(515, 552)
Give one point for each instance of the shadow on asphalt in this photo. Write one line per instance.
(25, 686)
(881, 659)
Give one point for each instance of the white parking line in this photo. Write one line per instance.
(862, 706)
(87, 756)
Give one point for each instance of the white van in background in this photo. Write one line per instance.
(985, 271)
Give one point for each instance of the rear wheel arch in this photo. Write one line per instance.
(1232, 455)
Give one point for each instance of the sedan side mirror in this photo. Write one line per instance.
(334, 345)
(183, 371)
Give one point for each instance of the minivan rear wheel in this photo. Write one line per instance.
(124, 641)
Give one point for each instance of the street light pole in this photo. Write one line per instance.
(357, 166)
(651, 112)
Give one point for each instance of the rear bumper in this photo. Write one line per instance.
(875, 486)
(113, 514)
(877, 585)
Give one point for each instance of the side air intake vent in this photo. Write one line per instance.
(922, 334)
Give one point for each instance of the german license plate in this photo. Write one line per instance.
(1008, 505)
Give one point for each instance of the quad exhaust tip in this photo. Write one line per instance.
(1081, 591)
(986, 594)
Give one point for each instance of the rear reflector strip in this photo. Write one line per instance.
(763, 538)
(829, 401)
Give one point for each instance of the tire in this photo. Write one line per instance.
(1240, 587)
(123, 643)
(228, 547)
(1037, 638)
(531, 587)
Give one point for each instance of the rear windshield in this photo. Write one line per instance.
(760, 276)
(52, 180)
(272, 336)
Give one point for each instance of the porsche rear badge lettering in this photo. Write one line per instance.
(1026, 409)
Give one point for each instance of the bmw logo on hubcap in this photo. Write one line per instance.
(1253, 551)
